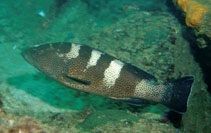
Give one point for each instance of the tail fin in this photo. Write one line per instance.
(181, 91)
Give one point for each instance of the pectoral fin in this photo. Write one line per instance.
(77, 80)
(74, 83)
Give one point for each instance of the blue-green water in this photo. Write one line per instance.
(144, 33)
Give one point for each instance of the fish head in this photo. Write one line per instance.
(48, 58)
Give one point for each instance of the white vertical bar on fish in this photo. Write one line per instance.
(95, 56)
(112, 73)
(74, 51)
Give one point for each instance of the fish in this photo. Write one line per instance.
(90, 70)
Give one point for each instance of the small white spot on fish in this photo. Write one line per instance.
(112, 73)
(95, 56)
(74, 52)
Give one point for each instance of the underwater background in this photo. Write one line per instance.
(167, 38)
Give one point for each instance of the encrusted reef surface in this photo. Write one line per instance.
(138, 32)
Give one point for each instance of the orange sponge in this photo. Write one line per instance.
(194, 11)
(183, 4)
(194, 14)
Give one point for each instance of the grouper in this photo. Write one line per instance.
(90, 70)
